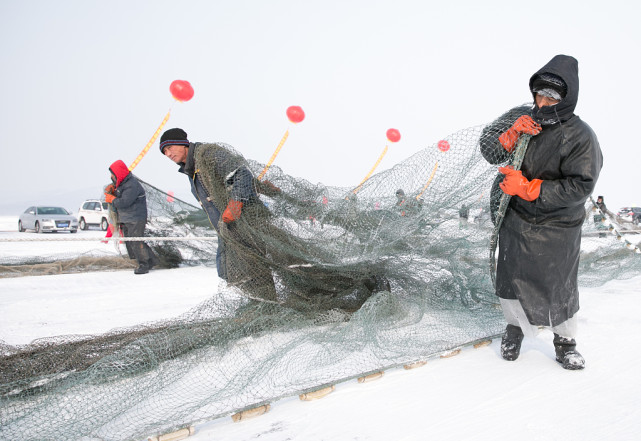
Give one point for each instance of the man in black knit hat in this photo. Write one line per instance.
(222, 182)
(540, 236)
(226, 189)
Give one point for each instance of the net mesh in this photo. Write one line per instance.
(323, 284)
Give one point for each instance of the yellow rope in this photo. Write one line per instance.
(428, 181)
(150, 143)
(380, 158)
(269, 163)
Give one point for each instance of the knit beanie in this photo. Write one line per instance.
(550, 85)
(173, 137)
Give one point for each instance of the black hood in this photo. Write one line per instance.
(567, 68)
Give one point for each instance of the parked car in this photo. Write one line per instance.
(630, 214)
(93, 212)
(45, 218)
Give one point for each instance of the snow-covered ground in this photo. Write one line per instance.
(473, 396)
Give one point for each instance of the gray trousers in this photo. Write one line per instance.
(137, 249)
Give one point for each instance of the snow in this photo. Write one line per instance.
(474, 395)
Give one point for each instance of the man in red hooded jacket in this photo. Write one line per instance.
(129, 200)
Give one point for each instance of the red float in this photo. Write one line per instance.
(393, 135)
(295, 114)
(443, 145)
(181, 90)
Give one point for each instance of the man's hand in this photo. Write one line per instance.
(232, 212)
(109, 198)
(515, 184)
(524, 124)
(110, 189)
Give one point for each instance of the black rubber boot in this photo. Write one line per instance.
(511, 342)
(566, 353)
(142, 269)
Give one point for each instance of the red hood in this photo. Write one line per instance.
(119, 169)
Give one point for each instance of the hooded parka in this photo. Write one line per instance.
(131, 200)
(539, 241)
(131, 206)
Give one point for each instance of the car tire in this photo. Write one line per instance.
(104, 224)
(73, 231)
(20, 228)
(83, 224)
(37, 227)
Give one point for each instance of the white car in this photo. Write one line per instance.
(93, 212)
(46, 218)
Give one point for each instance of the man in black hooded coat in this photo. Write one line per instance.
(540, 237)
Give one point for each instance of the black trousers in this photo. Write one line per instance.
(137, 249)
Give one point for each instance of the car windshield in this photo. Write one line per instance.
(52, 210)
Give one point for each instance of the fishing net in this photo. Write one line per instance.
(324, 284)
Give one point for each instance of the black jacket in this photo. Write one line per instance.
(539, 241)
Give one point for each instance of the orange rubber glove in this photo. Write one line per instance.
(515, 184)
(524, 124)
(110, 189)
(109, 198)
(232, 212)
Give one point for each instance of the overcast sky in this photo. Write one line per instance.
(86, 82)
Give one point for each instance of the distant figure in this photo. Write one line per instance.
(407, 207)
(600, 202)
(599, 217)
(540, 237)
(129, 200)
(463, 214)
(400, 200)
